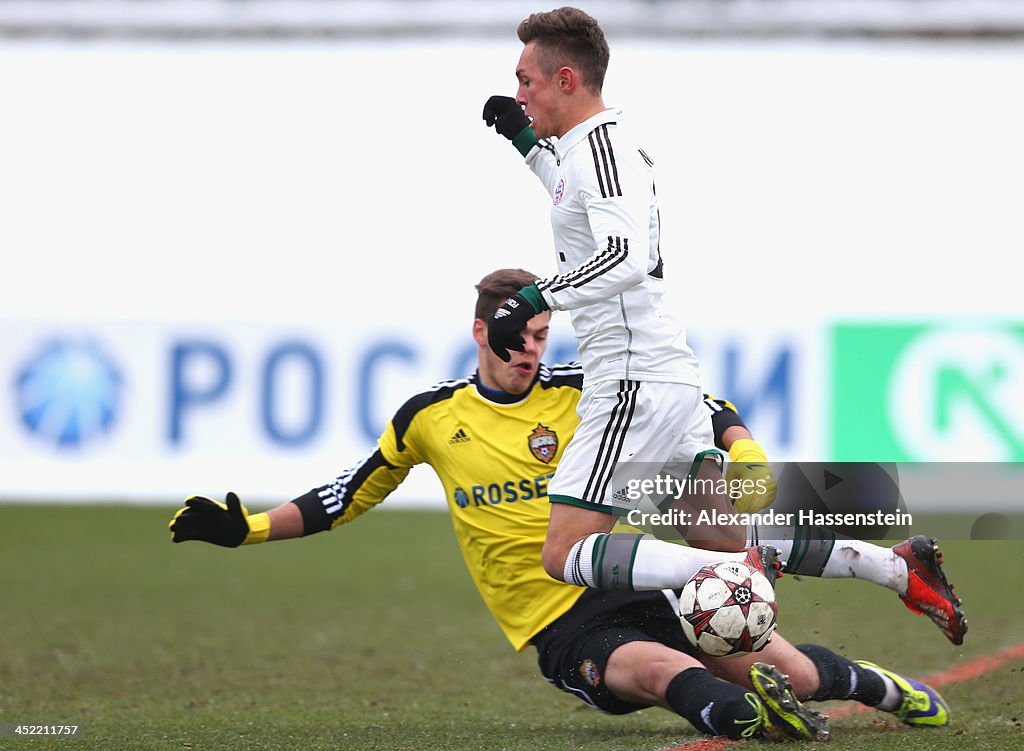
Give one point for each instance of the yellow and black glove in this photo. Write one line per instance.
(229, 525)
(751, 477)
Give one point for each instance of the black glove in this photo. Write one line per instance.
(511, 318)
(506, 116)
(211, 521)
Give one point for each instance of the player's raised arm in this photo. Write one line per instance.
(618, 263)
(508, 119)
(506, 116)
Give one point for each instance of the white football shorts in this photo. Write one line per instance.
(630, 431)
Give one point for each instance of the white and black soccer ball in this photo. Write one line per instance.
(728, 608)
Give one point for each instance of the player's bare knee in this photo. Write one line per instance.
(553, 557)
(655, 674)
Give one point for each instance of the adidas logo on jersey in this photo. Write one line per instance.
(460, 436)
(501, 313)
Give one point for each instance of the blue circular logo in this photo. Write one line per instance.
(69, 392)
(461, 498)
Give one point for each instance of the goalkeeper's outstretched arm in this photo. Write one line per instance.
(285, 522)
(356, 490)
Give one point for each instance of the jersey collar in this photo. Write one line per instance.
(581, 131)
(502, 397)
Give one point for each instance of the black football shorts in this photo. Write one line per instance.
(573, 650)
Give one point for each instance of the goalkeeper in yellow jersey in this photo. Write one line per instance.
(494, 440)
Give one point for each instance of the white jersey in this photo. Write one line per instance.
(605, 220)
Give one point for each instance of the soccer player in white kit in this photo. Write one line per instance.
(641, 405)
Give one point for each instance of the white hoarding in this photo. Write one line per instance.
(275, 245)
(150, 411)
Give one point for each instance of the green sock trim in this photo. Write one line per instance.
(632, 559)
(534, 297)
(796, 556)
(807, 560)
(597, 559)
(825, 554)
(525, 140)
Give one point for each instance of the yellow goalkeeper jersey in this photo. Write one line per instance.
(494, 453)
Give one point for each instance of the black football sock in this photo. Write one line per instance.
(713, 706)
(840, 678)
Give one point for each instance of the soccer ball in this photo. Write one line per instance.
(728, 608)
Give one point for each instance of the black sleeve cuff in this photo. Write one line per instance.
(314, 517)
(721, 421)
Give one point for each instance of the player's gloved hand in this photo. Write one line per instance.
(229, 525)
(750, 478)
(505, 115)
(508, 118)
(511, 318)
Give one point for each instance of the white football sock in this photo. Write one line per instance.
(625, 561)
(842, 558)
(893, 695)
(856, 559)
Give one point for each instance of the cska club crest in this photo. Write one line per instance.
(590, 672)
(543, 443)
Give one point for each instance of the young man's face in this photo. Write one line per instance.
(516, 375)
(540, 96)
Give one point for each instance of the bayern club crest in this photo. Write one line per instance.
(543, 443)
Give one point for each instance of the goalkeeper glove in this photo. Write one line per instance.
(508, 118)
(750, 478)
(511, 318)
(212, 521)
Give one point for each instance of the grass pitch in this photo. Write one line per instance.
(373, 637)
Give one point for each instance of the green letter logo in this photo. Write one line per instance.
(928, 393)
